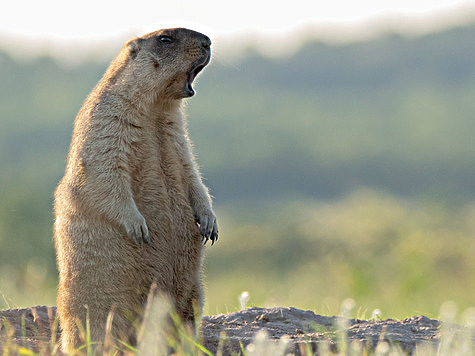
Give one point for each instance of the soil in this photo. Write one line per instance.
(297, 331)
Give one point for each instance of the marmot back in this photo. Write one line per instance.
(131, 210)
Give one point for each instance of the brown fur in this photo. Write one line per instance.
(131, 178)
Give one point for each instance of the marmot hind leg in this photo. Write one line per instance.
(191, 308)
(74, 332)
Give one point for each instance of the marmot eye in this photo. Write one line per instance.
(165, 39)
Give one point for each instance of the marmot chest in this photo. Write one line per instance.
(158, 167)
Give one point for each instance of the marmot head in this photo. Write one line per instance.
(167, 61)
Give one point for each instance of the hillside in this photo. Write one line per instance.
(392, 113)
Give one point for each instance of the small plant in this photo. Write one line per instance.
(243, 299)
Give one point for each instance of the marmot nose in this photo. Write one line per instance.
(206, 43)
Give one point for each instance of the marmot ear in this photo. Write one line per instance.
(134, 47)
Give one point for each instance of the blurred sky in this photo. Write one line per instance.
(45, 26)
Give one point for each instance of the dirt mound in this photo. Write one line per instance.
(299, 329)
(305, 329)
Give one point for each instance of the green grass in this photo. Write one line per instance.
(404, 257)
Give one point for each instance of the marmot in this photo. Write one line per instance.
(131, 210)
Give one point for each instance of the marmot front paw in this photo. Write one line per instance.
(136, 228)
(208, 226)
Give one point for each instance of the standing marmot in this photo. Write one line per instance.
(131, 178)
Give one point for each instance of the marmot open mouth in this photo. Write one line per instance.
(189, 91)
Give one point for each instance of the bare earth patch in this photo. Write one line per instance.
(303, 329)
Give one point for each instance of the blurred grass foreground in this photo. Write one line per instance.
(342, 171)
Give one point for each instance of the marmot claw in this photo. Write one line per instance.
(208, 228)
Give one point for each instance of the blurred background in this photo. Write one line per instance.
(336, 139)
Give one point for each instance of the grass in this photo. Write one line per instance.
(154, 338)
(402, 256)
(399, 257)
